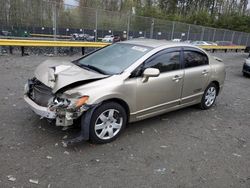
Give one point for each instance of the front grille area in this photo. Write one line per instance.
(39, 92)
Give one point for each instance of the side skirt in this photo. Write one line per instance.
(135, 117)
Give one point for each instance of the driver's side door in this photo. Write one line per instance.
(160, 93)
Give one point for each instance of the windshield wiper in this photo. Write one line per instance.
(96, 69)
(91, 67)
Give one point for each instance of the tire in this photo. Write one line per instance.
(107, 123)
(245, 74)
(209, 96)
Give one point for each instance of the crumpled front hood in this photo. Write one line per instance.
(57, 74)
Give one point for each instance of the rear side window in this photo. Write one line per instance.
(164, 61)
(194, 59)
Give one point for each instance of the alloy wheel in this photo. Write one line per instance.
(210, 96)
(108, 124)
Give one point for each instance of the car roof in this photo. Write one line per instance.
(155, 43)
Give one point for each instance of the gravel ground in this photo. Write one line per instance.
(185, 148)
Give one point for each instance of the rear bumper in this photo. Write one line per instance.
(40, 110)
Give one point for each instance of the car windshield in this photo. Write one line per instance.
(113, 59)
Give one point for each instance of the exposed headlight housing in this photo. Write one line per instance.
(69, 104)
(58, 102)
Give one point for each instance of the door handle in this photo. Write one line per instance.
(176, 78)
(204, 72)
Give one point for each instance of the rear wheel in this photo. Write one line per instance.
(107, 122)
(209, 96)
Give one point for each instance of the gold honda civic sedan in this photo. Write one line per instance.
(124, 82)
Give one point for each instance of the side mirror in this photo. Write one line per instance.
(150, 72)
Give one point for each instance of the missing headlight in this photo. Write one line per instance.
(57, 102)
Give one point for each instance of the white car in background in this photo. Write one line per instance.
(212, 43)
(176, 40)
(202, 43)
(108, 38)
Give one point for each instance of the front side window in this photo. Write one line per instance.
(194, 59)
(164, 61)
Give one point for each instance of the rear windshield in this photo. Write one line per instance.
(115, 58)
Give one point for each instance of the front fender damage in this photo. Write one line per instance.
(85, 126)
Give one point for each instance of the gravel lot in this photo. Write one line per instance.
(185, 148)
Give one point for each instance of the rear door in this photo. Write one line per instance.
(196, 74)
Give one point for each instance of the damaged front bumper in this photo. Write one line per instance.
(59, 108)
(63, 117)
(45, 104)
(40, 110)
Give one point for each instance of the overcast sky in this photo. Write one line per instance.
(75, 3)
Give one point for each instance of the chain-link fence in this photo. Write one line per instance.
(24, 18)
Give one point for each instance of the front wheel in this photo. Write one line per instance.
(209, 96)
(107, 122)
(245, 74)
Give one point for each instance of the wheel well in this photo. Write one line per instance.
(122, 103)
(217, 85)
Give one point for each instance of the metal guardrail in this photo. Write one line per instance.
(83, 44)
(214, 47)
(51, 43)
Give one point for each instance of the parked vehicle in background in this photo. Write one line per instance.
(89, 38)
(212, 43)
(116, 38)
(201, 43)
(176, 40)
(108, 38)
(246, 67)
(224, 43)
(124, 82)
(15, 32)
(83, 37)
(5, 33)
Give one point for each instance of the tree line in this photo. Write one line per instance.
(227, 14)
